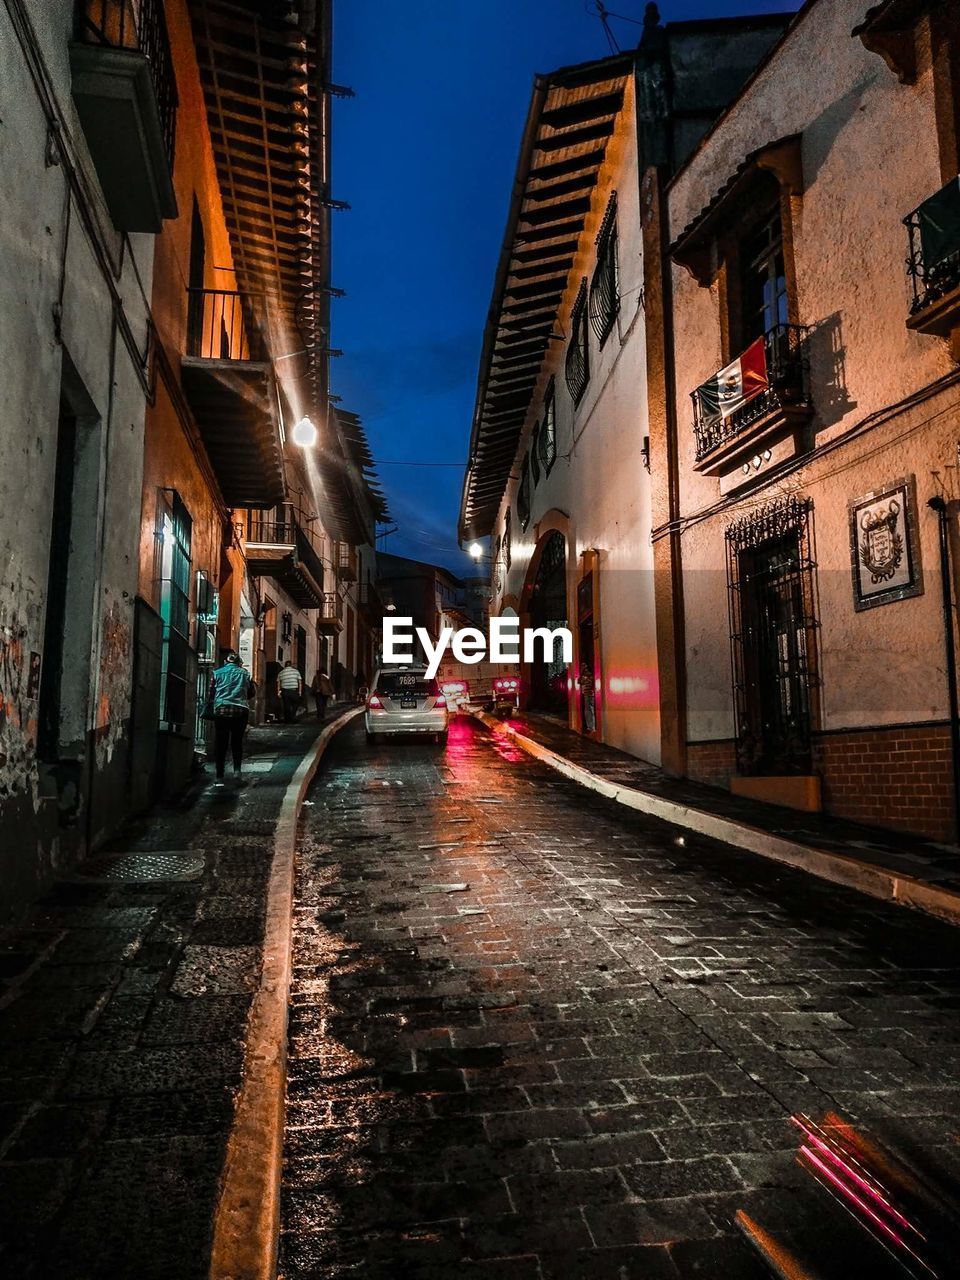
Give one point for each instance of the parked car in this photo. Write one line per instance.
(405, 700)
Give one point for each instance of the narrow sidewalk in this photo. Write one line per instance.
(901, 868)
(123, 1010)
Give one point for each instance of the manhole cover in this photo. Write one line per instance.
(140, 868)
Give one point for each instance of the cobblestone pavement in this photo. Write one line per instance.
(122, 1008)
(926, 860)
(536, 1035)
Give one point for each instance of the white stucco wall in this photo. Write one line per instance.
(869, 155)
(598, 480)
(47, 262)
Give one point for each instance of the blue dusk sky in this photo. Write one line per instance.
(425, 155)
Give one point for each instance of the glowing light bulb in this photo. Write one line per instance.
(305, 433)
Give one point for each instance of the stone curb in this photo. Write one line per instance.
(838, 868)
(247, 1220)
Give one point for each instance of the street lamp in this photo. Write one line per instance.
(475, 551)
(305, 433)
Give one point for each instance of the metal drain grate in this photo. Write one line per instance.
(143, 868)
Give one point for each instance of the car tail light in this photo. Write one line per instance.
(439, 701)
(504, 685)
(374, 703)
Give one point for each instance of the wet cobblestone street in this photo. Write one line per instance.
(536, 1035)
(123, 1006)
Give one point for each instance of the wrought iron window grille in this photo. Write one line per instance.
(605, 285)
(788, 374)
(535, 454)
(577, 364)
(140, 26)
(933, 261)
(771, 590)
(506, 541)
(523, 495)
(547, 442)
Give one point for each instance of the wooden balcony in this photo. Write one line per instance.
(126, 96)
(330, 617)
(228, 379)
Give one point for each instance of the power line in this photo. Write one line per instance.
(408, 462)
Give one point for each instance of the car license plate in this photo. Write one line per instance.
(408, 703)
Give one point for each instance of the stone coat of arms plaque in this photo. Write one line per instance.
(884, 545)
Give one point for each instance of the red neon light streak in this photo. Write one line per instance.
(867, 1187)
(847, 1194)
(850, 1196)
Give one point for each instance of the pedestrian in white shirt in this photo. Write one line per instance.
(290, 691)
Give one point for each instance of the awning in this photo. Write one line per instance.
(693, 248)
(571, 119)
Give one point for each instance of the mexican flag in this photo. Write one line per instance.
(733, 386)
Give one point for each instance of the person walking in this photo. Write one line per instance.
(322, 690)
(230, 692)
(290, 689)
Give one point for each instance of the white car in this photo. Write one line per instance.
(405, 700)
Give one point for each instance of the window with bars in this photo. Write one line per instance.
(547, 442)
(176, 531)
(506, 541)
(577, 369)
(535, 455)
(523, 495)
(605, 285)
(772, 590)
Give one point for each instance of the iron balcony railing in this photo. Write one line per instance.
(787, 376)
(140, 26)
(346, 561)
(224, 324)
(289, 525)
(933, 260)
(331, 607)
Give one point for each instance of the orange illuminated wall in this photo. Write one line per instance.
(174, 456)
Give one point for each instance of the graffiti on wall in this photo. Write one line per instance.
(113, 685)
(19, 686)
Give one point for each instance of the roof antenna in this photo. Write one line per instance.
(600, 9)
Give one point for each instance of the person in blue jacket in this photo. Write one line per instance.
(230, 692)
